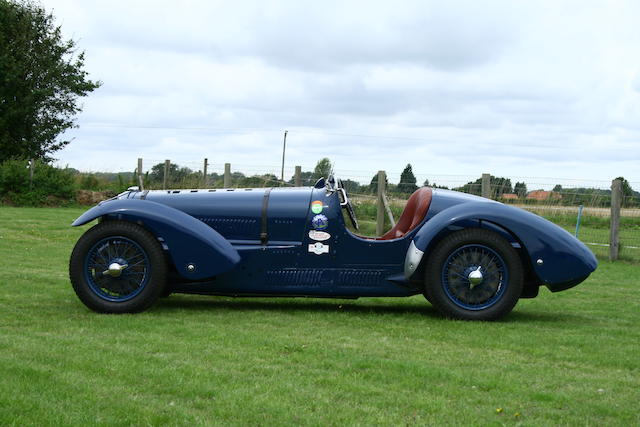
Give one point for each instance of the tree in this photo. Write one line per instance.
(498, 186)
(306, 179)
(627, 193)
(41, 81)
(520, 189)
(407, 182)
(351, 186)
(177, 174)
(322, 169)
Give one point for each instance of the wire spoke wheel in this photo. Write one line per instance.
(118, 267)
(474, 277)
(474, 274)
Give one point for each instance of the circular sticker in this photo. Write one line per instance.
(316, 207)
(320, 222)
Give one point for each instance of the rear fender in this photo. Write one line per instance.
(190, 241)
(554, 255)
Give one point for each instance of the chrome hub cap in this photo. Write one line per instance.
(115, 269)
(475, 278)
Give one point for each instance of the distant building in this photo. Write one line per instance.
(510, 196)
(544, 195)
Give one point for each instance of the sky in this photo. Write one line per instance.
(542, 90)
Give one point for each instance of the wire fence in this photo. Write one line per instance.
(580, 206)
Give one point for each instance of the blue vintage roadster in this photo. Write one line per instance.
(472, 258)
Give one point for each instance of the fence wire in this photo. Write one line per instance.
(580, 206)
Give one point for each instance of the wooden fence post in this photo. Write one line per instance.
(165, 177)
(284, 147)
(486, 185)
(380, 213)
(298, 176)
(140, 179)
(387, 207)
(227, 175)
(616, 202)
(204, 173)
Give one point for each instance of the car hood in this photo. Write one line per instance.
(237, 213)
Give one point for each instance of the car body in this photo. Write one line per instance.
(473, 258)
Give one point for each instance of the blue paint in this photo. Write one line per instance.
(219, 232)
(564, 258)
(189, 240)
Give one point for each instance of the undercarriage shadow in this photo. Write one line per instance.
(289, 304)
(362, 306)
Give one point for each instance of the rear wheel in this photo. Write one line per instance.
(118, 267)
(474, 274)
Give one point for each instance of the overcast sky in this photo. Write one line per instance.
(517, 89)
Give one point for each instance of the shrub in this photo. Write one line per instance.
(89, 182)
(50, 185)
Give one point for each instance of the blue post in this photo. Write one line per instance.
(578, 221)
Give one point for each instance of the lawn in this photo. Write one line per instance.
(566, 358)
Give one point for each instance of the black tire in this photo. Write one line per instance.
(140, 267)
(456, 293)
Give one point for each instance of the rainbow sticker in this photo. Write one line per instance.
(316, 207)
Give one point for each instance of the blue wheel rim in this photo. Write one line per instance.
(122, 251)
(459, 288)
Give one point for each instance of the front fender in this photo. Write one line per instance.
(563, 258)
(190, 241)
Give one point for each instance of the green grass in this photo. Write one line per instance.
(567, 358)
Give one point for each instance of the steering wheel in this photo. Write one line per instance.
(346, 203)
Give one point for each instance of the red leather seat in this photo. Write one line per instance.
(413, 214)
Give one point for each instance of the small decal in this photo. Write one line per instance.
(319, 248)
(316, 207)
(320, 222)
(319, 235)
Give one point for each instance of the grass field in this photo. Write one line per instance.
(570, 358)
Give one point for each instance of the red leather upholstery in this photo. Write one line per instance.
(413, 214)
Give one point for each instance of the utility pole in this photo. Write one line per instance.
(284, 147)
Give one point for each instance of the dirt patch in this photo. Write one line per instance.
(87, 197)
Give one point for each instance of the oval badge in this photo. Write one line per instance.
(320, 236)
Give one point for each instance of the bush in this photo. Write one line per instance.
(51, 185)
(89, 182)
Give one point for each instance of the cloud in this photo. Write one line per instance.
(500, 87)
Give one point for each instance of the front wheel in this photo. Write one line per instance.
(118, 267)
(474, 274)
